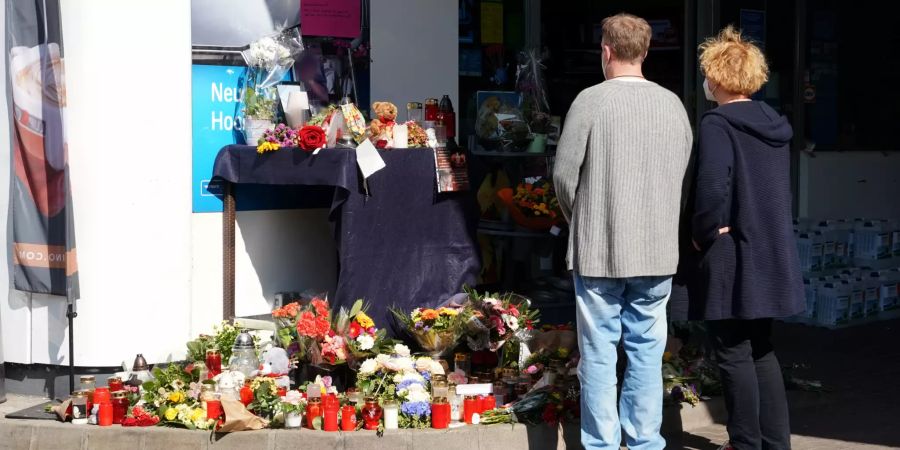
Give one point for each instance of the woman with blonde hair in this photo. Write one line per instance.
(748, 271)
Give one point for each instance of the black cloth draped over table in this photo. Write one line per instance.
(403, 245)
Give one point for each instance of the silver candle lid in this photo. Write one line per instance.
(243, 341)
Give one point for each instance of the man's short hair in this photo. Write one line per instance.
(628, 36)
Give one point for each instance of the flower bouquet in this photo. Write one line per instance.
(533, 204)
(222, 339)
(268, 60)
(360, 336)
(497, 319)
(436, 330)
(175, 397)
(266, 401)
(402, 378)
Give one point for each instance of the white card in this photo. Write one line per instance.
(337, 122)
(368, 159)
(401, 136)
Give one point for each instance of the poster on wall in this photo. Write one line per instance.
(467, 21)
(491, 23)
(335, 18)
(43, 241)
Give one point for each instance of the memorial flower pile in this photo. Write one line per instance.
(403, 378)
(266, 401)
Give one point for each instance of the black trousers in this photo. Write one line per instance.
(753, 383)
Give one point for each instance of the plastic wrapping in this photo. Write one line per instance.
(530, 83)
(268, 61)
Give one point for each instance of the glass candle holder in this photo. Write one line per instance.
(214, 407)
(440, 413)
(101, 395)
(88, 383)
(330, 415)
(313, 411)
(79, 408)
(213, 362)
(115, 384)
(371, 413)
(391, 415)
(471, 407)
(348, 418)
(120, 406)
(105, 414)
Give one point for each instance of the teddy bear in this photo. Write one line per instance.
(382, 126)
(275, 363)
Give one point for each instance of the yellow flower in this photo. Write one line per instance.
(171, 414)
(449, 312)
(267, 147)
(197, 415)
(176, 397)
(364, 320)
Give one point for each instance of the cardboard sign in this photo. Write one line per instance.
(335, 18)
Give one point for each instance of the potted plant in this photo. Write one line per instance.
(292, 407)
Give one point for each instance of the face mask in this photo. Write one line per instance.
(709, 93)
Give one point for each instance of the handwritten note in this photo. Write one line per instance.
(335, 18)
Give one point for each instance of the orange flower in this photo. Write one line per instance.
(429, 314)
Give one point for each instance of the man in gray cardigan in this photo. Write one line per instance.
(619, 170)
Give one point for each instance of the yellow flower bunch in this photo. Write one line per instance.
(197, 415)
(267, 146)
(364, 321)
(448, 311)
(273, 389)
(176, 397)
(171, 414)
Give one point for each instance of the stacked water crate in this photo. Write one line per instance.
(851, 270)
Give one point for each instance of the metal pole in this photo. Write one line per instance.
(228, 228)
(71, 315)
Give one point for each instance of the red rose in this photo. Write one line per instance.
(311, 137)
(381, 144)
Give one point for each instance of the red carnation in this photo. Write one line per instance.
(311, 137)
(321, 307)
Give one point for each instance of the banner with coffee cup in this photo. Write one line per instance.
(43, 244)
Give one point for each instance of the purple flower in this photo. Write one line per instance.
(419, 324)
(405, 384)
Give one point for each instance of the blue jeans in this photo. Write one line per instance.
(632, 310)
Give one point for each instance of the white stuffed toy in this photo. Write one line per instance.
(275, 363)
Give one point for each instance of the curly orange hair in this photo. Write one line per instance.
(735, 64)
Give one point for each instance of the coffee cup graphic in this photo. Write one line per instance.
(39, 104)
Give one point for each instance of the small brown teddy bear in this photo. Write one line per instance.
(382, 126)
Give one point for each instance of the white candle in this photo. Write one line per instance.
(391, 416)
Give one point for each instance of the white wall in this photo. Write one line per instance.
(415, 51)
(849, 185)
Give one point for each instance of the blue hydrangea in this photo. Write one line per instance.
(405, 384)
(421, 409)
(426, 375)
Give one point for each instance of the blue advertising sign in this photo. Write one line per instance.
(216, 109)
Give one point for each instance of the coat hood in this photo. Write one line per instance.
(756, 119)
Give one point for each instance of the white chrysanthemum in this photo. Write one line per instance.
(366, 342)
(382, 358)
(401, 350)
(368, 367)
(436, 368)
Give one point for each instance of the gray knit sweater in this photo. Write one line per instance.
(619, 168)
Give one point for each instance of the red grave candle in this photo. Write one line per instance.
(330, 419)
(348, 418)
(101, 396)
(105, 414)
(213, 409)
(488, 402)
(471, 407)
(213, 362)
(120, 406)
(115, 384)
(246, 393)
(313, 410)
(440, 414)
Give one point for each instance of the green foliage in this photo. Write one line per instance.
(163, 378)
(222, 339)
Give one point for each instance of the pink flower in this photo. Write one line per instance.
(497, 322)
(531, 370)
